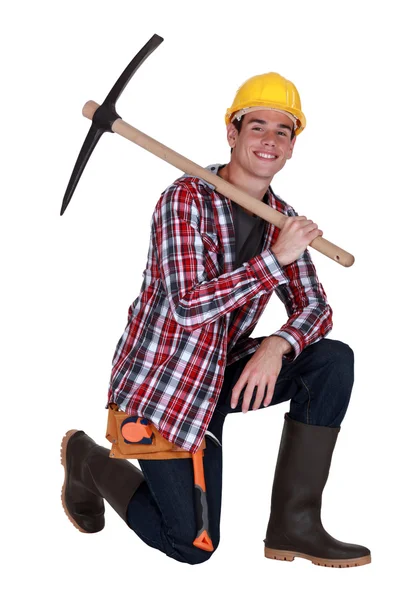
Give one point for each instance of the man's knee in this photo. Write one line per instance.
(334, 360)
(187, 553)
(336, 352)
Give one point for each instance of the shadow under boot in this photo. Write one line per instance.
(295, 527)
(90, 476)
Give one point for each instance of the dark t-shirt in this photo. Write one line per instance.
(249, 233)
(249, 237)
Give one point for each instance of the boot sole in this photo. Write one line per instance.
(63, 455)
(321, 562)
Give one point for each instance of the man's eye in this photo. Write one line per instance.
(282, 133)
(257, 128)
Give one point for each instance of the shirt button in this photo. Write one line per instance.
(221, 363)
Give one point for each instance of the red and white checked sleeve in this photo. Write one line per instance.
(194, 300)
(310, 316)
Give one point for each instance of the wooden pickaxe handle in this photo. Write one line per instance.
(224, 187)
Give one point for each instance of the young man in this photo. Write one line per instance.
(186, 358)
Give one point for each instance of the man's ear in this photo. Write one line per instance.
(231, 134)
(291, 147)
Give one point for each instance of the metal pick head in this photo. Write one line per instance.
(105, 116)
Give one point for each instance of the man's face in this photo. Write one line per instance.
(264, 143)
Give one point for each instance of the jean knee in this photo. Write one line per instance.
(337, 353)
(344, 358)
(339, 359)
(187, 553)
(343, 351)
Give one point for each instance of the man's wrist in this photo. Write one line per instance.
(279, 343)
(278, 258)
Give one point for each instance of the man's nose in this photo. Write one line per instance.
(268, 139)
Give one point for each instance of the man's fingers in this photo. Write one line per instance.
(247, 397)
(233, 400)
(237, 390)
(260, 395)
(247, 387)
(270, 391)
(248, 393)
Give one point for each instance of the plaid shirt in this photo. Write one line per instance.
(194, 314)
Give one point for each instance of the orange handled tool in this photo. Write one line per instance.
(203, 539)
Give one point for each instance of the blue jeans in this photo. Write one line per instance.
(162, 511)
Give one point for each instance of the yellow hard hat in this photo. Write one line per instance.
(269, 90)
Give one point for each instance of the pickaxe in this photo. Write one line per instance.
(105, 118)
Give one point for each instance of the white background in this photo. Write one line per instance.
(68, 281)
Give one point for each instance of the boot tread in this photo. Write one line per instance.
(321, 562)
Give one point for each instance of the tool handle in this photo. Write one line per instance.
(224, 187)
(203, 539)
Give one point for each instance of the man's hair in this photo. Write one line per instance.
(238, 125)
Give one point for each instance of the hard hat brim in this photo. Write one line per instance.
(237, 112)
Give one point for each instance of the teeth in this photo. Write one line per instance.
(265, 155)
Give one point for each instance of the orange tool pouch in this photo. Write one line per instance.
(136, 437)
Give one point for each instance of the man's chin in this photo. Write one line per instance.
(268, 172)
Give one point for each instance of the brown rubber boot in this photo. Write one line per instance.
(295, 527)
(90, 476)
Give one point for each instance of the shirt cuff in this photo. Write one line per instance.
(295, 339)
(267, 269)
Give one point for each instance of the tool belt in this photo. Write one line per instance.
(136, 437)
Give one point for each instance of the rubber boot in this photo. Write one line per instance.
(90, 476)
(295, 527)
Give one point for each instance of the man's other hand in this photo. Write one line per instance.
(294, 237)
(262, 370)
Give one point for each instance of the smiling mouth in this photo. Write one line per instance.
(265, 156)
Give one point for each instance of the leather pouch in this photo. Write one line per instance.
(136, 437)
